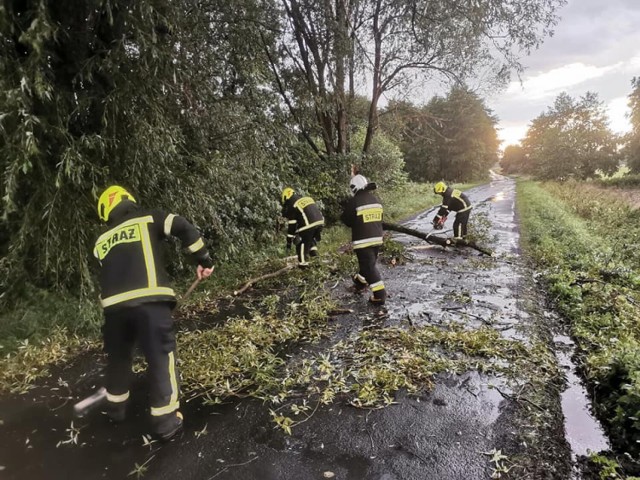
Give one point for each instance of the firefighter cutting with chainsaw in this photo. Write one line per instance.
(456, 201)
(137, 300)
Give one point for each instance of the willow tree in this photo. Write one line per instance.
(169, 98)
(332, 50)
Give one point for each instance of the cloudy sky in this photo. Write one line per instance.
(596, 47)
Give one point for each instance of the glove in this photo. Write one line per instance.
(438, 224)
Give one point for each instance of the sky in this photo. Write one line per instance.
(596, 47)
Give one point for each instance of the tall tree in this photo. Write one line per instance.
(332, 49)
(467, 144)
(414, 128)
(451, 138)
(632, 148)
(572, 139)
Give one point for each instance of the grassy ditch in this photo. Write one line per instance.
(585, 244)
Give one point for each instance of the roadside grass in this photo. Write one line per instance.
(39, 313)
(413, 198)
(586, 248)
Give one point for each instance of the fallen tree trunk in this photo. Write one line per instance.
(475, 246)
(443, 242)
(427, 237)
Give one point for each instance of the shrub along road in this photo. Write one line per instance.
(456, 380)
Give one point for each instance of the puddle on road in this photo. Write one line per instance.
(583, 431)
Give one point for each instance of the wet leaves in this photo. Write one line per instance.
(19, 370)
(499, 463)
(73, 433)
(140, 470)
(201, 433)
(245, 357)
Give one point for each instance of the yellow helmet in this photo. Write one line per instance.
(440, 187)
(110, 199)
(287, 193)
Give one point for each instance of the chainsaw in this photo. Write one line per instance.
(439, 224)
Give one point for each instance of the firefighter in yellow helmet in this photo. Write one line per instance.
(137, 299)
(304, 224)
(456, 201)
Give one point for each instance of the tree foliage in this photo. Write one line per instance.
(572, 139)
(333, 49)
(513, 159)
(452, 138)
(151, 95)
(413, 128)
(209, 109)
(632, 148)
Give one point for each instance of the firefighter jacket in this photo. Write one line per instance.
(452, 200)
(363, 214)
(302, 214)
(130, 254)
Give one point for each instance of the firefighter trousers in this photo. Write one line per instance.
(151, 326)
(368, 272)
(308, 245)
(460, 225)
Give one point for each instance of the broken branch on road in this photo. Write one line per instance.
(250, 283)
(428, 237)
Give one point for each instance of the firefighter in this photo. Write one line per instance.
(137, 300)
(452, 200)
(363, 214)
(305, 222)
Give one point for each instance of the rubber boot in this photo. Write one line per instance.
(117, 412)
(359, 283)
(378, 298)
(167, 426)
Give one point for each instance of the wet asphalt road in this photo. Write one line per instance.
(441, 435)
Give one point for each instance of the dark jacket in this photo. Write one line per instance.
(132, 268)
(302, 214)
(363, 214)
(453, 200)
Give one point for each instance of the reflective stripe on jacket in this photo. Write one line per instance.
(302, 213)
(363, 214)
(130, 254)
